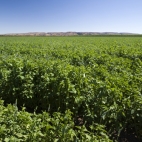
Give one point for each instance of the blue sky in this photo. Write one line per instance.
(20, 16)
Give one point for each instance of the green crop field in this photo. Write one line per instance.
(70, 89)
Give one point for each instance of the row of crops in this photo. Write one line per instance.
(70, 88)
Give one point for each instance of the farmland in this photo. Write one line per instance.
(70, 88)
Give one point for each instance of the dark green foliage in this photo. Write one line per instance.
(22, 126)
(96, 78)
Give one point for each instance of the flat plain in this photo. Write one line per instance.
(93, 84)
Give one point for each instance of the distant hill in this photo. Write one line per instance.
(66, 33)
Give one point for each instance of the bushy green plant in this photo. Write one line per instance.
(21, 126)
(96, 78)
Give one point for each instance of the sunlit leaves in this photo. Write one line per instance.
(98, 79)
